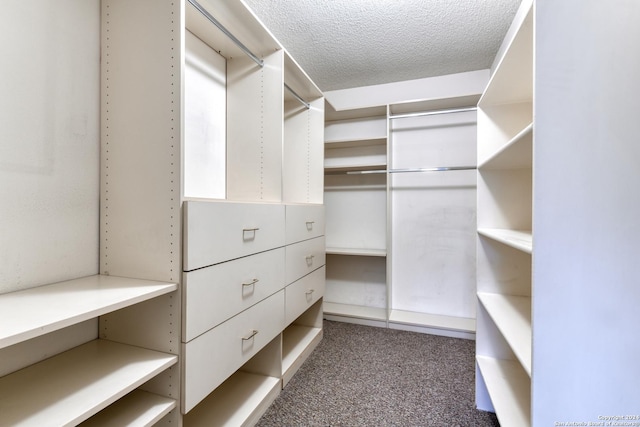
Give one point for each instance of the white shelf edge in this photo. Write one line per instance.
(239, 401)
(56, 306)
(509, 388)
(358, 311)
(512, 316)
(138, 408)
(376, 140)
(436, 321)
(69, 388)
(505, 149)
(355, 167)
(297, 344)
(357, 252)
(517, 239)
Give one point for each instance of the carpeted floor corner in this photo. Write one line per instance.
(367, 376)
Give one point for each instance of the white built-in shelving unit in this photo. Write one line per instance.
(505, 240)
(356, 202)
(385, 207)
(211, 260)
(74, 385)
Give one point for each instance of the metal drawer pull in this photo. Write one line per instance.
(309, 257)
(253, 282)
(310, 291)
(253, 334)
(246, 230)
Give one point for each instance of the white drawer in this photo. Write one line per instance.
(213, 294)
(304, 257)
(303, 293)
(212, 357)
(304, 222)
(219, 231)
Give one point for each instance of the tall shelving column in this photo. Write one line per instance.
(356, 212)
(505, 167)
(432, 215)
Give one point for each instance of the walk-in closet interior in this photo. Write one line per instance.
(189, 192)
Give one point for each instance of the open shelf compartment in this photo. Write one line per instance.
(69, 388)
(63, 304)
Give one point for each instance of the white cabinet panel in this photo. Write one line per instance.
(304, 222)
(212, 357)
(220, 231)
(304, 257)
(212, 295)
(302, 294)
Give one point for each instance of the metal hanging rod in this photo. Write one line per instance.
(433, 113)
(408, 170)
(441, 169)
(227, 33)
(296, 96)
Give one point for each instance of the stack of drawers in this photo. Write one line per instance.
(250, 270)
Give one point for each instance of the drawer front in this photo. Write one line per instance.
(212, 357)
(215, 232)
(303, 293)
(212, 295)
(304, 257)
(304, 222)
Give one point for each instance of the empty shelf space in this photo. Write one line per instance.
(37, 311)
(512, 316)
(357, 252)
(69, 388)
(359, 311)
(518, 239)
(516, 154)
(433, 320)
(298, 343)
(138, 408)
(239, 401)
(509, 388)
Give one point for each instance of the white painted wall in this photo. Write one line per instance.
(586, 267)
(49, 151)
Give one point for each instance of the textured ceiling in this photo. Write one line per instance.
(352, 43)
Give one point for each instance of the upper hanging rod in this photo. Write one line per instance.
(433, 113)
(296, 96)
(407, 170)
(440, 169)
(226, 32)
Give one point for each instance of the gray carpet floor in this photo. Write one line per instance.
(366, 376)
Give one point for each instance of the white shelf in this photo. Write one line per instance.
(239, 401)
(357, 252)
(516, 154)
(72, 386)
(354, 142)
(63, 304)
(520, 240)
(137, 409)
(512, 81)
(512, 316)
(328, 168)
(298, 343)
(359, 311)
(510, 390)
(433, 321)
